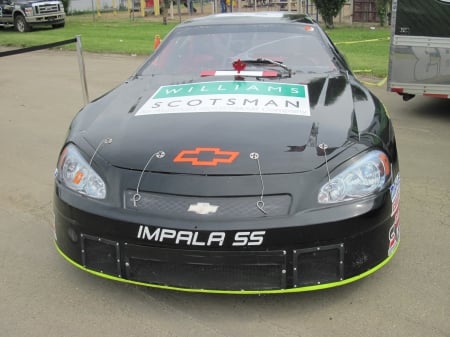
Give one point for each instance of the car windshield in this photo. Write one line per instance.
(190, 50)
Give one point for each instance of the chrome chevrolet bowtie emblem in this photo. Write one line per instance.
(203, 208)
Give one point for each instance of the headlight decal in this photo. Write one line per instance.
(366, 176)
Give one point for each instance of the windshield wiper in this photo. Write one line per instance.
(269, 61)
(240, 72)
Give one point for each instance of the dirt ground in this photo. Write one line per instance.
(42, 295)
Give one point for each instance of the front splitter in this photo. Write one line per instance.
(234, 292)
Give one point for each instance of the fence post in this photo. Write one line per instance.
(82, 70)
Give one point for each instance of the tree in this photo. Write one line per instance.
(165, 10)
(66, 4)
(329, 9)
(382, 9)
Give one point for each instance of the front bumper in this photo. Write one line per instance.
(49, 19)
(257, 258)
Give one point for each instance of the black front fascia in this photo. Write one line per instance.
(327, 251)
(282, 233)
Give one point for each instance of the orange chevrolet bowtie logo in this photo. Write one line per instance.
(193, 156)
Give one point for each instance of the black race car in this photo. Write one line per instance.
(242, 157)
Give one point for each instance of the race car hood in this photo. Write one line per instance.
(218, 139)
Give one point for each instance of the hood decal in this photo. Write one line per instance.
(287, 143)
(229, 96)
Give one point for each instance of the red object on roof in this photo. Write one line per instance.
(239, 66)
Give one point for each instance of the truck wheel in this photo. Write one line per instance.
(21, 24)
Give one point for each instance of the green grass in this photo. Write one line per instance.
(107, 34)
(110, 33)
(366, 56)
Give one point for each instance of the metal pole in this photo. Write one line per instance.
(179, 9)
(93, 10)
(82, 70)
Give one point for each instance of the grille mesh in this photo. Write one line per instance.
(228, 207)
(100, 254)
(206, 269)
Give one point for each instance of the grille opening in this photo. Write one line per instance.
(205, 269)
(237, 207)
(318, 265)
(100, 255)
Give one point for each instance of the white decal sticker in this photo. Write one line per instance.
(229, 96)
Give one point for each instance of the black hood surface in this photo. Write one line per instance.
(221, 142)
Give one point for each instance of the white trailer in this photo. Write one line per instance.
(419, 57)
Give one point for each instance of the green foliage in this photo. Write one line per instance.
(382, 9)
(329, 9)
(66, 4)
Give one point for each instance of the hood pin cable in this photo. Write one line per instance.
(260, 202)
(104, 141)
(137, 196)
(324, 148)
